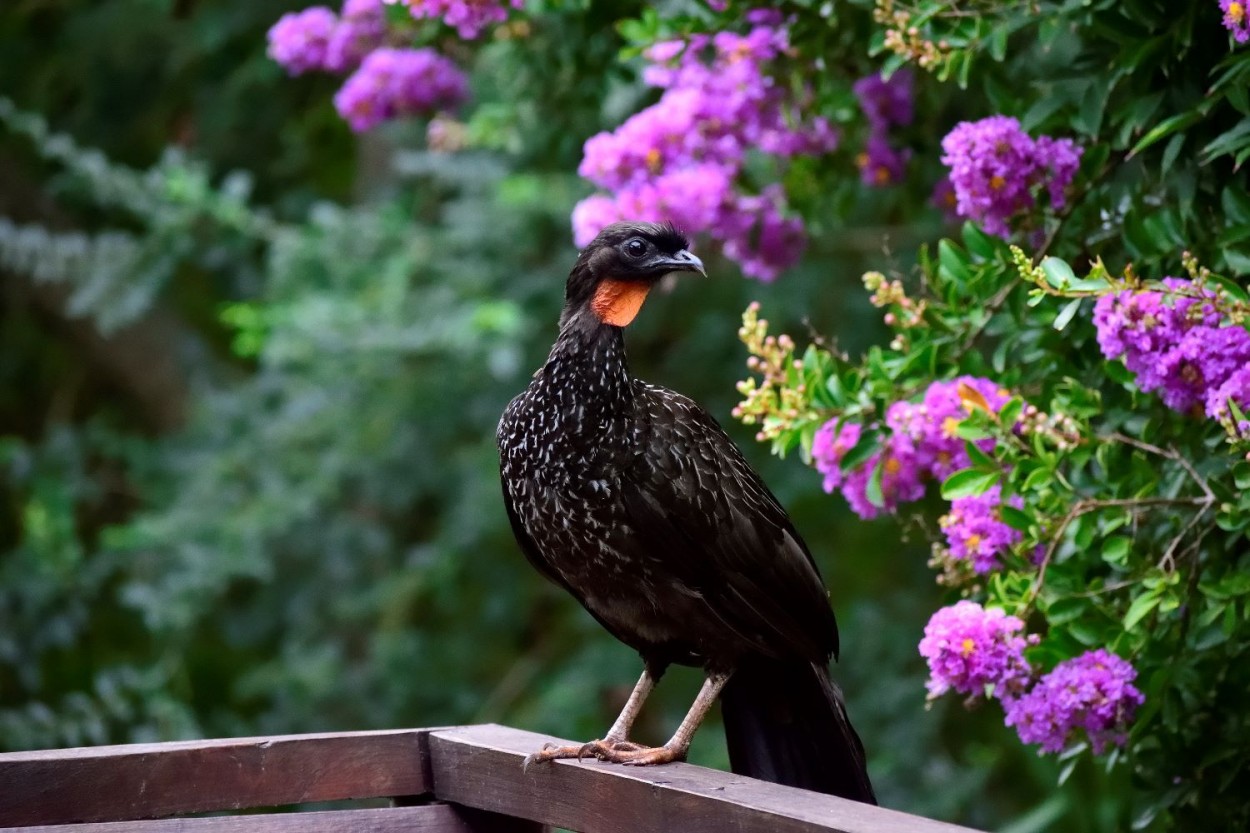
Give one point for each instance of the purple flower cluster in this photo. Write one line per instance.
(679, 159)
(944, 199)
(1236, 19)
(387, 83)
(317, 39)
(969, 649)
(997, 170)
(898, 480)
(921, 444)
(886, 103)
(399, 82)
(881, 164)
(1173, 339)
(975, 531)
(467, 17)
(1093, 691)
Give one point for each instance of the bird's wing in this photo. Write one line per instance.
(535, 557)
(696, 503)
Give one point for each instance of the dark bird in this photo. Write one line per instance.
(632, 498)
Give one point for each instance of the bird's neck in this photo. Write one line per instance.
(588, 359)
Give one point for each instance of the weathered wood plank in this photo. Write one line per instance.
(433, 818)
(480, 766)
(110, 783)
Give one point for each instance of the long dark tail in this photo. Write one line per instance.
(785, 722)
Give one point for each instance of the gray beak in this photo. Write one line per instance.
(683, 261)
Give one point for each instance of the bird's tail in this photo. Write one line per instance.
(785, 722)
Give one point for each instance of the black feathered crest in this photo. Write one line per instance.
(665, 236)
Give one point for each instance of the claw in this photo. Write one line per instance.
(652, 757)
(606, 748)
(610, 751)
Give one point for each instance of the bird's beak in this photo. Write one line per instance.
(682, 261)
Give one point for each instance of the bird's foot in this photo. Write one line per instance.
(613, 751)
(637, 755)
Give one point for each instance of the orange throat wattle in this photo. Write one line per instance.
(617, 302)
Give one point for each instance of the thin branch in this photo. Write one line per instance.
(1167, 453)
(1086, 505)
(1050, 552)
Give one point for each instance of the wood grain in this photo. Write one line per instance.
(480, 766)
(433, 818)
(110, 783)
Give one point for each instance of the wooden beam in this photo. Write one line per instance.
(431, 818)
(110, 783)
(480, 766)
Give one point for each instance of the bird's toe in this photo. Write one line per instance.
(636, 755)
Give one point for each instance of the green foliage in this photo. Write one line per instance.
(1133, 517)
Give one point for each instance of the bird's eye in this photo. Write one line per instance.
(637, 247)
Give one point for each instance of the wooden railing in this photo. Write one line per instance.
(465, 779)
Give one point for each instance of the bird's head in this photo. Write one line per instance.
(615, 272)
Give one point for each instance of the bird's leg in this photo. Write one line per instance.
(679, 744)
(617, 736)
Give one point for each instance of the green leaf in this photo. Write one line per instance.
(980, 459)
(1228, 141)
(978, 242)
(1064, 610)
(1172, 150)
(1241, 475)
(1140, 608)
(1166, 128)
(1115, 550)
(967, 430)
(969, 482)
(1037, 478)
(1066, 314)
(873, 490)
(953, 264)
(1235, 290)
(1015, 518)
(1058, 273)
(1009, 414)
(862, 450)
(1228, 587)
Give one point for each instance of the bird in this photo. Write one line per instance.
(633, 499)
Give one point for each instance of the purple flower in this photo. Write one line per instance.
(970, 648)
(361, 29)
(1173, 344)
(692, 198)
(943, 199)
(1235, 389)
(768, 240)
(591, 216)
(467, 17)
(932, 424)
(1058, 161)
(1093, 691)
(399, 82)
(921, 443)
(1235, 19)
(829, 446)
(895, 464)
(880, 164)
(299, 40)
(975, 531)
(680, 159)
(996, 170)
(886, 102)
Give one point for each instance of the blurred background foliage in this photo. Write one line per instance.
(251, 366)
